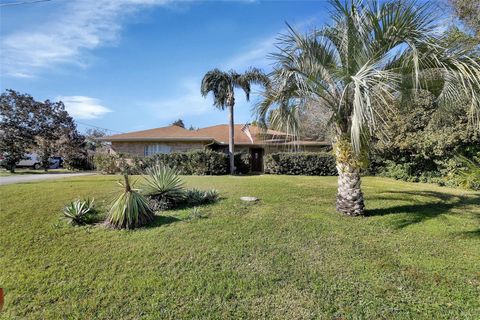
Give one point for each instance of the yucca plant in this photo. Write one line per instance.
(197, 197)
(469, 174)
(79, 212)
(164, 184)
(130, 210)
(195, 214)
(211, 195)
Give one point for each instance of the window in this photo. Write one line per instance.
(157, 148)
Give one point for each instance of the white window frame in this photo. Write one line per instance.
(156, 148)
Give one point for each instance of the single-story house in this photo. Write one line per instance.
(173, 138)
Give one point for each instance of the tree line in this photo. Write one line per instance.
(42, 127)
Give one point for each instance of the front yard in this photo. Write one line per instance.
(290, 256)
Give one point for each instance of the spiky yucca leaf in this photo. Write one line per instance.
(79, 211)
(164, 183)
(469, 174)
(130, 210)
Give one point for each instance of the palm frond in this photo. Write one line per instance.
(372, 54)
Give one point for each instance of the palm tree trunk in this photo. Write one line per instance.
(231, 140)
(349, 193)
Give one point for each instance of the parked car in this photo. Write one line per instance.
(59, 159)
(34, 161)
(31, 160)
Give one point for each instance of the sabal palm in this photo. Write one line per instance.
(371, 55)
(222, 85)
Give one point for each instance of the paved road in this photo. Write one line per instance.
(38, 177)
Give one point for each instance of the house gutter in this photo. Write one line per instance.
(158, 139)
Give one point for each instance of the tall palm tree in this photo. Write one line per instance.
(369, 56)
(222, 85)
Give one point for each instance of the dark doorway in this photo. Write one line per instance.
(257, 159)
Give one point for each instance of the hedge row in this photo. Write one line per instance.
(301, 163)
(198, 162)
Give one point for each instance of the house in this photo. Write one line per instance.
(177, 139)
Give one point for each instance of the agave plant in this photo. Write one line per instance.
(197, 197)
(164, 184)
(130, 210)
(79, 212)
(195, 214)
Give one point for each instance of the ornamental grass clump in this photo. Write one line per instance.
(130, 210)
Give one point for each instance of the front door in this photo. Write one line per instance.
(257, 159)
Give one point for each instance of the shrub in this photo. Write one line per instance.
(198, 162)
(163, 184)
(106, 163)
(467, 176)
(79, 212)
(242, 162)
(79, 162)
(130, 210)
(301, 163)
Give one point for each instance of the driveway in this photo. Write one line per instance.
(38, 177)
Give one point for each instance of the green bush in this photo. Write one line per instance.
(242, 162)
(198, 162)
(106, 163)
(301, 163)
(459, 171)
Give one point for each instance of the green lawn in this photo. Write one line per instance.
(290, 256)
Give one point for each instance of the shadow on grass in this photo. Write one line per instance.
(420, 211)
(470, 234)
(159, 221)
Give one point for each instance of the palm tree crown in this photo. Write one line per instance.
(222, 84)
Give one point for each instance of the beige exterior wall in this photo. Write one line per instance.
(138, 148)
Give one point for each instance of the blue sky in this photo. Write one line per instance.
(137, 64)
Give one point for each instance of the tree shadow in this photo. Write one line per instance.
(420, 211)
(470, 234)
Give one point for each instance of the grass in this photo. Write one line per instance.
(20, 171)
(289, 256)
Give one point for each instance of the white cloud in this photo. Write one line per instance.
(254, 56)
(189, 102)
(81, 107)
(82, 25)
(257, 54)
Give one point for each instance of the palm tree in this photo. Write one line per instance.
(222, 85)
(371, 55)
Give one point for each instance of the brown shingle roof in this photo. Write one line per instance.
(218, 134)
